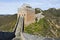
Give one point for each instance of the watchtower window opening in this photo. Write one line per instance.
(28, 7)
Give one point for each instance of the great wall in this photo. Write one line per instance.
(18, 32)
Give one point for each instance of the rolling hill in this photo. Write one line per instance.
(7, 22)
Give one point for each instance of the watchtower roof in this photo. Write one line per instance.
(26, 6)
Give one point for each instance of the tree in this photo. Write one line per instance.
(37, 10)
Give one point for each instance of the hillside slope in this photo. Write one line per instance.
(7, 22)
(49, 26)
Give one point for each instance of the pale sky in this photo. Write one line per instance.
(11, 6)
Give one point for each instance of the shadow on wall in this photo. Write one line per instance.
(7, 35)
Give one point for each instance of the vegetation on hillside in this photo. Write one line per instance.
(37, 10)
(48, 26)
(41, 28)
(7, 22)
(53, 17)
(53, 14)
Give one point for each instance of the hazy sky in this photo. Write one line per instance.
(11, 6)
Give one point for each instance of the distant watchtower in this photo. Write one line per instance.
(28, 13)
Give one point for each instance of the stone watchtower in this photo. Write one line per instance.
(28, 13)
